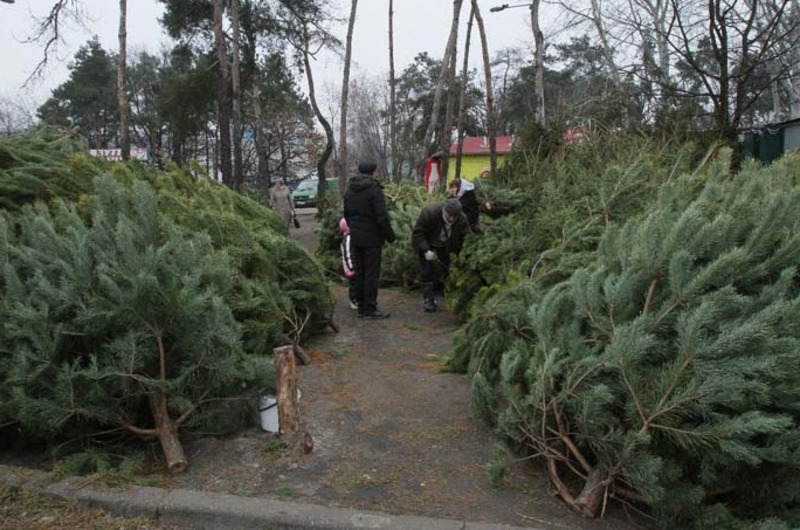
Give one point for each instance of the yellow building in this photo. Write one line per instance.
(475, 159)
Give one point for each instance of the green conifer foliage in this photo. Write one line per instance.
(549, 214)
(665, 373)
(37, 167)
(120, 322)
(277, 287)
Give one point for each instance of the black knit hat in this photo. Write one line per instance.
(452, 207)
(367, 167)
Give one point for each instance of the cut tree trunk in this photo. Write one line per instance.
(167, 432)
(286, 391)
(591, 497)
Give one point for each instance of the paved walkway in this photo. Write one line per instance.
(392, 433)
(393, 442)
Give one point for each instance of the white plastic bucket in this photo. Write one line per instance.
(269, 412)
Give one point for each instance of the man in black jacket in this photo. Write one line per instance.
(368, 219)
(440, 230)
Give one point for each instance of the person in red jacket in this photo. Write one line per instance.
(366, 215)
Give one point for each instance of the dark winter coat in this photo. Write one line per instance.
(366, 214)
(429, 226)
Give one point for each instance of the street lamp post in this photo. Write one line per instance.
(538, 39)
(503, 7)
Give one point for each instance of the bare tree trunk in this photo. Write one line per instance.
(538, 37)
(437, 98)
(462, 104)
(326, 153)
(487, 69)
(238, 178)
(122, 96)
(662, 38)
(608, 53)
(451, 95)
(345, 95)
(261, 149)
(223, 101)
(392, 97)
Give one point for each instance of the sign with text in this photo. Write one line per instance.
(137, 153)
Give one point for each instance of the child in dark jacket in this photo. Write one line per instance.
(348, 265)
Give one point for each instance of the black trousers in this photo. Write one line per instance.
(433, 271)
(368, 271)
(469, 204)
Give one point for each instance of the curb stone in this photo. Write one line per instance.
(201, 510)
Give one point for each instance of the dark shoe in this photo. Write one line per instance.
(429, 305)
(375, 314)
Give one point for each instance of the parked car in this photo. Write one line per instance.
(305, 194)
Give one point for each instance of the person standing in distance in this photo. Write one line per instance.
(281, 199)
(366, 215)
(439, 231)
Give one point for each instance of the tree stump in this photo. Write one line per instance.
(286, 391)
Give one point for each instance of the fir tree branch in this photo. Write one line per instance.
(633, 396)
(138, 431)
(651, 293)
(564, 436)
(629, 494)
(666, 313)
(674, 384)
(563, 491)
(595, 324)
(681, 431)
(183, 417)
(658, 414)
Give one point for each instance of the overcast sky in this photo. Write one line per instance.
(420, 25)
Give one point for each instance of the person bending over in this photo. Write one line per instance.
(439, 231)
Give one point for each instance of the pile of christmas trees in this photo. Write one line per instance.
(665, 370)
(138, 301)
(548, 213)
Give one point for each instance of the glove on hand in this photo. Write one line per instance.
(430, 255)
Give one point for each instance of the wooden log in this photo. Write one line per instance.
(286, 377)
(167, 432)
